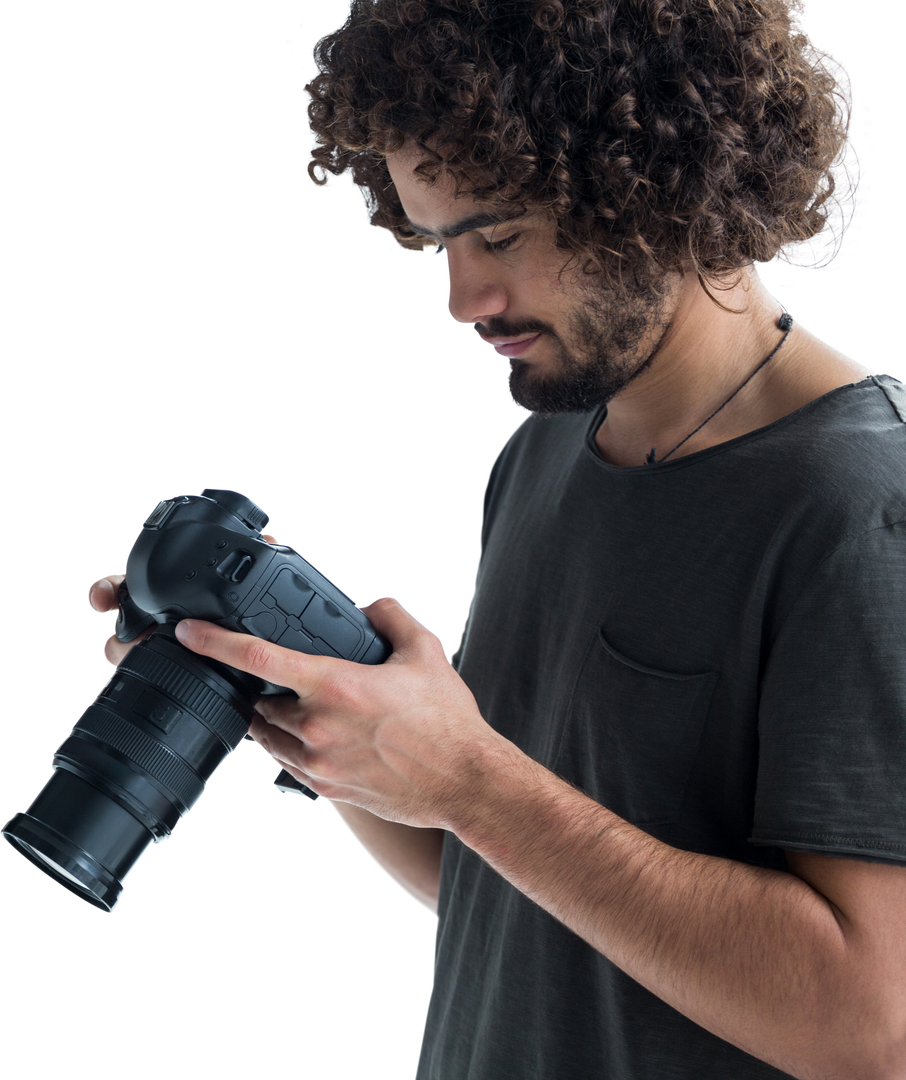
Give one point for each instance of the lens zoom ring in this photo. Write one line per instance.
(150, 755)
(189, 692)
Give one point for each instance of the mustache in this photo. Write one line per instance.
(500, 332)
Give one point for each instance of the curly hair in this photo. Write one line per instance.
(661, 134)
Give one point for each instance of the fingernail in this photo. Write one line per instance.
(96, 589)
(183, 629)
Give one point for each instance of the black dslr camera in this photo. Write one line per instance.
(141, 754)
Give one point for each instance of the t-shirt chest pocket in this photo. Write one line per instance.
(631, 733)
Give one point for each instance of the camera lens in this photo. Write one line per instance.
(135, 762)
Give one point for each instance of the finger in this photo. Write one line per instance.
(116, 650)
(279, 709)
(268, 734)
(286, 749)
(272, 663)
(103, 594)
(405, 634)
(298, 774)
(268, 538)
(264, 733)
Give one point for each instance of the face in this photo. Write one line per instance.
(572, 344)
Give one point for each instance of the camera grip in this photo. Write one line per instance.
(288, 783)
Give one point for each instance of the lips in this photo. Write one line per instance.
(512, 346)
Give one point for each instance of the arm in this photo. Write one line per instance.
(755, 956)
(806, 970)
(410, 855)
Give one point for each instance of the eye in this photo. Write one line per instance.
(501, 245)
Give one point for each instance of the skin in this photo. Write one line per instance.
(805, 969)
(662, 364)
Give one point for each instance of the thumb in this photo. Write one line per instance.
(406, 634)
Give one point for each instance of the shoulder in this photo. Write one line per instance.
(814, 367)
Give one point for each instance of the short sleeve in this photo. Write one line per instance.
(832, 714)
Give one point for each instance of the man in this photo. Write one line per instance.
(656, 363)
(659, 803)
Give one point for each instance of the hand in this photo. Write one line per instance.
(100, 596)
(104, 596)
(403, 739)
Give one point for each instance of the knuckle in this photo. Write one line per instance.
(258, 656)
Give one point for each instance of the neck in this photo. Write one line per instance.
(786, 325)
(713, 372)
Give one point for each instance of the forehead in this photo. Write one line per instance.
(436, 209)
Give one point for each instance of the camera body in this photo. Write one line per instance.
(204, 557)
(141, 754)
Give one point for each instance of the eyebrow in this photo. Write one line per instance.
(476, 221)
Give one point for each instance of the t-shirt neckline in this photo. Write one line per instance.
(708, 450)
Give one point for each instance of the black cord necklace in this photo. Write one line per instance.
(785, 324)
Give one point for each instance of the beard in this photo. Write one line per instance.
(611, 341)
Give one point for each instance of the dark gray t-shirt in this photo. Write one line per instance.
(714, 649)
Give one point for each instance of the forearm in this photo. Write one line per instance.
(408, 854)
(755, 956)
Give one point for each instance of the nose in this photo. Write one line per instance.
(476, 292)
